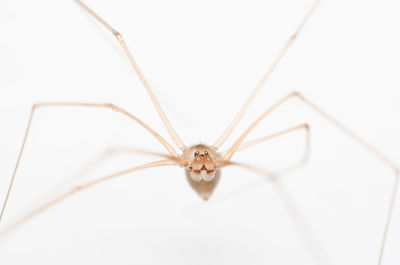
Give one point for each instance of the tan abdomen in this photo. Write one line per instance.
(204, 188)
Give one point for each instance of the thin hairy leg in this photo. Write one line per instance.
(100, 159)
(319, 254)
(170, 149)
(81, 188)
(279, 173)
(92, 165)
(304, 126)
(295, 166)
(286, 170)
(348, 132)
(313, 245)
(118, 35)
(221, 140)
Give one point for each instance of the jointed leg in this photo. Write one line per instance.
(281, 172)
(268, 137)
(236, 145)
(318, 253)
(170, 149)
(371, 149)
(99, 160)
(118, 35)
(304, 126)
(287, 45)
(81, 188)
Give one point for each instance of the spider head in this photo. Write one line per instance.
(201, 162)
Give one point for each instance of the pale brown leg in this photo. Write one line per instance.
(371, 149)
(221, 140)
(99, 160)
(292, 129)
(118, 35)
(81, 188)
(317, 252)
(282, 171)
(170, 149)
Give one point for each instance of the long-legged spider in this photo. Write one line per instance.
(202, 163)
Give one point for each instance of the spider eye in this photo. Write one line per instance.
(196, 153)
(206, 153)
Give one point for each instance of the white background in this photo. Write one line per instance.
(202, 58)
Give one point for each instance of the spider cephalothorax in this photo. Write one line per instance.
(201, 161)
(202, 165)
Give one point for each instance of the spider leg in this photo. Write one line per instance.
(100, 159)
(318, 253)
(348, 132)
(119, 37)
(221, 140)
(281, 172)
(81, 188)
(170, 149)
(297, 165)
(304, 126)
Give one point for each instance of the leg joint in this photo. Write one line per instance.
(293, 37)
(36, 105)
(306, 126)
(76, 189)
(296, 94)
(111, 106)
(116, 33)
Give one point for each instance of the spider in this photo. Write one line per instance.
(202, 163)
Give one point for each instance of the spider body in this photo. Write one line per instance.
(202, 165)
(202, 187)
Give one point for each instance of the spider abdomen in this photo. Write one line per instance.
(202, 187)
